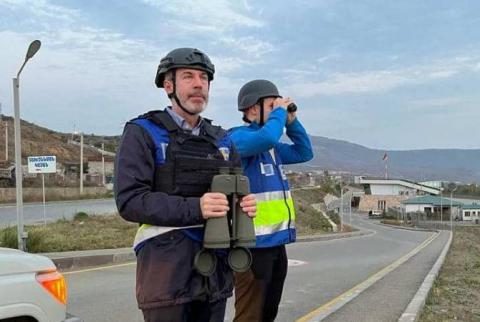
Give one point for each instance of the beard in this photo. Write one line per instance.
(194, 102)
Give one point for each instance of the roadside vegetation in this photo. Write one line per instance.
(87, 232)
(455, 295)
(84, 232)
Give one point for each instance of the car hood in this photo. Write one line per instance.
(13, 261)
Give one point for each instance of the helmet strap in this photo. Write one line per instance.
(175, 97)
(245, 119)
(262, 112)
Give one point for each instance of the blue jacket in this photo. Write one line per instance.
(263, 157)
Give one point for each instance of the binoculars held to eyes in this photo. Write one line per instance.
(292, 107)
(234, 231)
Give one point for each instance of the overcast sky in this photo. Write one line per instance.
(384, 74)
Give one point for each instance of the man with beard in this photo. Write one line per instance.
(163, 172)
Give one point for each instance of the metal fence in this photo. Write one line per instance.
(437, 220)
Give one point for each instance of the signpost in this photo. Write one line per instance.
(42, 164)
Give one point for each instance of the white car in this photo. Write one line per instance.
(375, 214)
(31, 289)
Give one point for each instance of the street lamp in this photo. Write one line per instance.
(32, 50)
(451, 208)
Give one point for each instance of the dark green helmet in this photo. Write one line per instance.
(253, 91)
(184, 58)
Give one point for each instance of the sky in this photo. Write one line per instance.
(393, 75)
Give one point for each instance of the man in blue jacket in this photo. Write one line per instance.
(259, 290)
(163, 171)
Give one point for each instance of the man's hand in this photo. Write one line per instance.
(291, 117)
(249, 205)
(282, 102)
(213, 204)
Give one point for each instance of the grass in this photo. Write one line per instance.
(90, 232)
(308, 220)
(456, 292)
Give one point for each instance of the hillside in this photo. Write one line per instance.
(37, 140)
(422, 165)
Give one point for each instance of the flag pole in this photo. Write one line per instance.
(386, 169)
(385, 159)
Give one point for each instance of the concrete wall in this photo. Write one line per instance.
(96, 167)
(415, 208)
(370, 202)
(390, 189)
(35, 194)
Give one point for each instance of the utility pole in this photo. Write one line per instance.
(81, 163)
(441, 207)
(451, 208)
(103, 164)
(341, 208)
(6, 133)
(6, 141)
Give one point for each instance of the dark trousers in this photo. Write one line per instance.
(196, 311)
(258, 291)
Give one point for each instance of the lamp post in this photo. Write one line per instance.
(32, 50)
(451, 208)
(441, 207)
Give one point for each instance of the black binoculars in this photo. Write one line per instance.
(234, 231)
(292, 107)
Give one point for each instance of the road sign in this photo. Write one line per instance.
(42, 164)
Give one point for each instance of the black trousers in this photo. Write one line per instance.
(197, 311)
(258, 291)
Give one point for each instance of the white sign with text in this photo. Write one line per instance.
(42, 164)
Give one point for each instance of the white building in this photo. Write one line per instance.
(431, 205)
(395, 187)
(380, 194)
(471, 212)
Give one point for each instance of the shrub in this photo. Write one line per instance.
(36, 241)
(8, 237)
(80, 216)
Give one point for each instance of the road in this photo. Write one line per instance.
(33, 212)
(318, 273)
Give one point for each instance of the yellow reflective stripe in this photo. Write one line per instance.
(273, 195)
(145, 232)
(270, 229)
(273, 212)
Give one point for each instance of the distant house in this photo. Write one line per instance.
(471, 212)
(380, 194)
(431, 205)
(95, 165)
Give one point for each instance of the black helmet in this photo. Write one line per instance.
(254, 90)
(187, 58)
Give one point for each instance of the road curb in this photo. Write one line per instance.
(408, 228)
(416, 305)
(357, 233)
(82, 259)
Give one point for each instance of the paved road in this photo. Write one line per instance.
(33, 212)
(321, 272)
